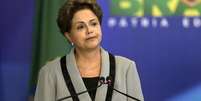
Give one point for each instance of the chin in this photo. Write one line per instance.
(93, 46)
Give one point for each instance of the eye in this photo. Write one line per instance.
(80, 27)
(94, 23)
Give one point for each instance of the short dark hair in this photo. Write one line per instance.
(70, 7)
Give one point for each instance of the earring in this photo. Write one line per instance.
(72, 44)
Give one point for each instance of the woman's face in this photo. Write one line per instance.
(86, 30)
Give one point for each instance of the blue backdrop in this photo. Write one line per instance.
(168, 58)
(16, 22)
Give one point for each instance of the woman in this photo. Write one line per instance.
(81, 69)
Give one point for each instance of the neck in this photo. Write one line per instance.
(88, 62)
(87, 55)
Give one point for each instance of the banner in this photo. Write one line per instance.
(163, 37)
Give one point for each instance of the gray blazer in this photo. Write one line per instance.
(51, 84)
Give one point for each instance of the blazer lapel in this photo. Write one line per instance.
(76, 79)
(101, 92)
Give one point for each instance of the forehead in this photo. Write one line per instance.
(83, 15)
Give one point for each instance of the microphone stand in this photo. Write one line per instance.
(126, 95)
(101, 83)
(109, 82)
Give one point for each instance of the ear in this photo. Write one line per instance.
(67, 35)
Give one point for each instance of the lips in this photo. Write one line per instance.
(89, 38)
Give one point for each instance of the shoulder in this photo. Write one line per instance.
(120, 60)
(51, 66)
(124, 65)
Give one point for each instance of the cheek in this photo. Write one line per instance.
(100, 35)
(99, 31)
(77, 37)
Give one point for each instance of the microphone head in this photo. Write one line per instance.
(109, 80)
(102, 80)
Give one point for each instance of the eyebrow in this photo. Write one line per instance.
(83, 22)
(92, 20)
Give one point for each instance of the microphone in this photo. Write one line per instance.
(109, 82)
(101, 80)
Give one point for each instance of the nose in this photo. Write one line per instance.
(89, 30)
